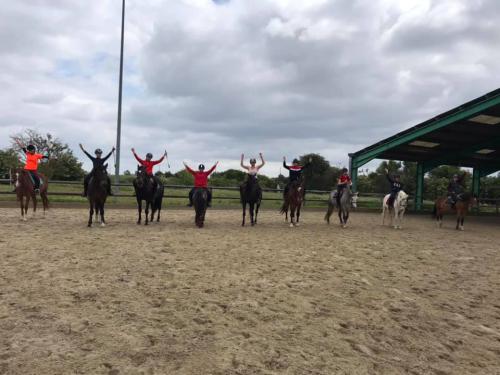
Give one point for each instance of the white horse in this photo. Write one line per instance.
(400, 203)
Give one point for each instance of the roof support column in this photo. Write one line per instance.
(419, 191)
(476, 184)
(353, 169)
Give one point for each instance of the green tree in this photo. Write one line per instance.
(8, 160)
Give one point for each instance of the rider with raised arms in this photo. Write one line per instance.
(200, 181)
(295, 172)
(149, 164)
(396, 187)
(31, 164)
(97, 162)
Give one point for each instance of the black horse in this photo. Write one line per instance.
(144, 191)
(200, 202)
(251, 194)
(97, 193)
(293, 201)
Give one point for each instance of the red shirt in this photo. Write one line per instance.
(344, 179)
(201, 178)
(32, 161)
(149, 163)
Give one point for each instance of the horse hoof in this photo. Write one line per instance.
(291, 225)
(297, 224)
(103, 224)
(24, 218)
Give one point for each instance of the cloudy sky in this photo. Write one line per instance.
(208, 80)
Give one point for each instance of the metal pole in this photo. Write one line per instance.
(119, 120)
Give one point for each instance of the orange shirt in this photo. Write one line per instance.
(32, 161)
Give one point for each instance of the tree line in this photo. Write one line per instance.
(321, 175)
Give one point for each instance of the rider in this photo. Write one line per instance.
(344, 181)
(97, 161)
(253, 169)
(31, 164)
(455, 187)
(295, 172)
(149, 164)
(200, 181)
(396, 187)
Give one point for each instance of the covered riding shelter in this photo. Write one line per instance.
(466, 136)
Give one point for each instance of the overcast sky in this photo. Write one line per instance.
(208, 80)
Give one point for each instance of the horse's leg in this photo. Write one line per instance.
(383, 214)
(292, 216)
(139, 208)
(146, 213)
(45, 201)
(346, 217)
(91, 214)
(462, 222)
(26, 206)
(101, 212)
(158, 215)
(244, 204)
(257, 205)
(24, 203)
(252, 208)
(298, 215)
(152, 211)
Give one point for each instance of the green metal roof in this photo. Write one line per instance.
(467, 136)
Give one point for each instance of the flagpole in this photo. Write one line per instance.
(119, 119)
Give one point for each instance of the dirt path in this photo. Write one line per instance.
(171, 299)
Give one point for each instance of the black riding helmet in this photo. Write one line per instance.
(344, 170)
(31, 148)
(253, 161)
(149, 155)
(201, 167)
(295, 161)
(98, 151)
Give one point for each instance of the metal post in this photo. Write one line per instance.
(476, 184)
(419, 190)
(354, 174)
(119, 119)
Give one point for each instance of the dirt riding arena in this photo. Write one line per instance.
(317, 299)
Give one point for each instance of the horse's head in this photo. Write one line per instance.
(354, 199)
(402, 199)
(141, 176)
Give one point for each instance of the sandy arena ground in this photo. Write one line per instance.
(317, 299)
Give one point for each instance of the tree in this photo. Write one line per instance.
(62, 165)
(8, 160)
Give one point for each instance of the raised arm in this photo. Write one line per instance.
(159, 160)
(212, 169)
(262, 161)
(188, 169)
(85, 152)
(108, 155)
(243, 165)
(284, 164)
(137, 157)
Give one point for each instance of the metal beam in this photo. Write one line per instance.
(367, 156)
(354, 175)
(119, 118)
(419, 191)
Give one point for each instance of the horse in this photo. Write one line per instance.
(200, 203)
(347, 199)
(251, 194)
(293, 201)
(97, 193)
(157, 202)
(398, 209)
(25, 190)
(144, 191)
(464, 202)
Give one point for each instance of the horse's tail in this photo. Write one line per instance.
(284, 208)
(434, 211)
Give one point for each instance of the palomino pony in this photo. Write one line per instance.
(25, 191)
(200, 203)
(97, 193)
(397, 210)
(347, 199)
(144, 191)
(293, 201)
(251, 194)
(464, 202)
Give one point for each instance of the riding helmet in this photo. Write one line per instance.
(295, 161)
(149, 155)
(253, 161)
(344, 170)
(98, 151)
(201, 167)
(30, 148)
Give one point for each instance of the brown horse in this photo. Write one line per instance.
(25, 190)
(464, 203)
(293, 201)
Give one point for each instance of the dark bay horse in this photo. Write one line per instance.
(251, 194)
(97, 193)
(25, 190)
(464, 202)
(293, 202)
(157, 202)
(200, 203)
(144, 191)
